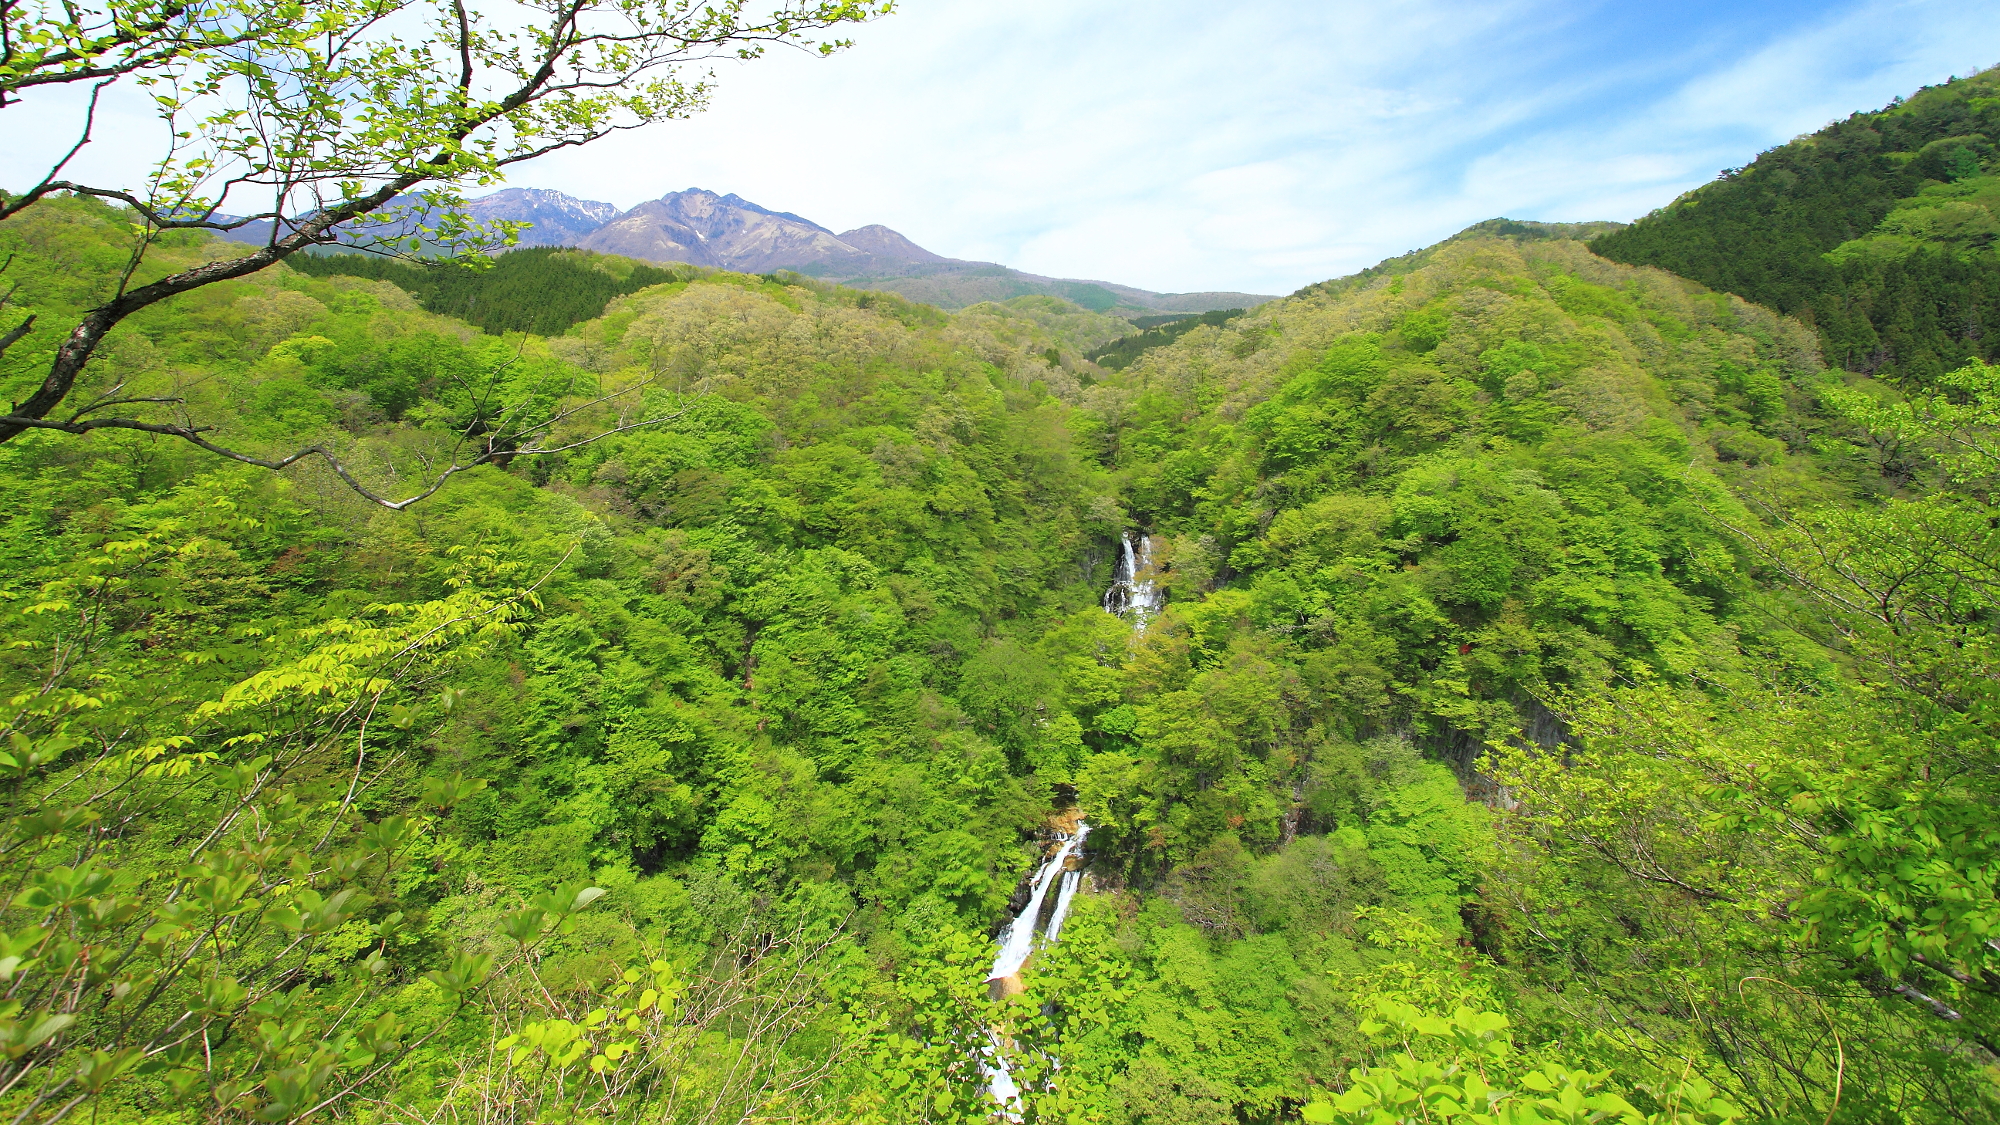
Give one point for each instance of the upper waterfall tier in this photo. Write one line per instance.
(1134, 591)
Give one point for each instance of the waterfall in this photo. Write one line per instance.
(1017, 941)
(1000, 1084)
(1069, 881)
(1133, 591)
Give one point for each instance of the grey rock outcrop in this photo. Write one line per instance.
(724, 231)
(559, 220)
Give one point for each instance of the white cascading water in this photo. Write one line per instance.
(1069, 881)
(1133, 592)
(1135, 595)
(1017, 941)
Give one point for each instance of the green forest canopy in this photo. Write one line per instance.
(1507, 732)
(539, 289)
(1878, 229)
(1153, 332)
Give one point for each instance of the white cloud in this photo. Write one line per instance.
(1265, 145)
(1846, 63)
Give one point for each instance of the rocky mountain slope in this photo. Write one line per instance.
(700, 228)
(559, 220)
(703, 228)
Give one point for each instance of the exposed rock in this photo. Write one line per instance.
(725, 231)
(559, 220)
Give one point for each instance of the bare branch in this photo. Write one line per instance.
(9, 207)
(157, 218)
(15, 335)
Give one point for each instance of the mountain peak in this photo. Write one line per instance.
(697, 200)
(703, 228)
(725, 231)
(882, 242)
(559, 219)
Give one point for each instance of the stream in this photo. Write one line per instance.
(1134, 594)
(1017, 943)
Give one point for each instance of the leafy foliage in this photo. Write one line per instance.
(539, 289)
(1573, 702)
(1877, 229)
(1153, 332)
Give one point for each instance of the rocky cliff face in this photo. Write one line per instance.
(559, 220)
(725, 231)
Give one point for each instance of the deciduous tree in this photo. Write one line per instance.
(316, 122)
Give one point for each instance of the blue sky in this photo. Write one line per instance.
(1263, 146)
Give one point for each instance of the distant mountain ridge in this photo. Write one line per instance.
(558, 219)
(702, 228)
(729, 232)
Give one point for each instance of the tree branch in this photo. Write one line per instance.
(312, 117)
(11, 207)
(14, 336)
(491, 454)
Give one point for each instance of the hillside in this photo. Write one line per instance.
(539, 289)
(1878, 230)
(1491, 499)
(808, 679)
(771, 707)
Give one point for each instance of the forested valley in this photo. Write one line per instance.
(1563, 690)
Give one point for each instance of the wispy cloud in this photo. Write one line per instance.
(1265, 145)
